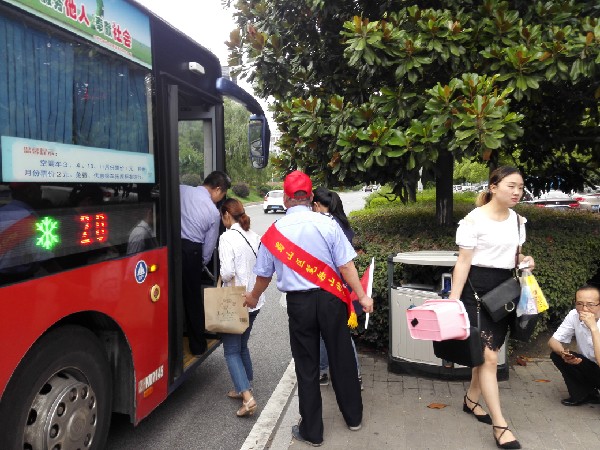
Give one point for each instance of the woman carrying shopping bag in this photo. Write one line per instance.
(489, 237)
(237, 253)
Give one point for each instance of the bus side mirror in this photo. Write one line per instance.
(259, 137)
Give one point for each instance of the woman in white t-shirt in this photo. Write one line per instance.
(488, 238)
(237, 254)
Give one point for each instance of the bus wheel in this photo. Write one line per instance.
(60, 395)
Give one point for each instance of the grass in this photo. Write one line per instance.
(252, 198)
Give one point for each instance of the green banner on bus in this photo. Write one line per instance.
(114, 24)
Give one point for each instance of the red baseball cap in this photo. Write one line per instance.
(295, 182)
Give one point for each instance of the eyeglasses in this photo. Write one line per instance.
(587, 305)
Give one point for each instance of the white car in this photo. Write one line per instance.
(273, 202)
(554, 199)
(371, 188)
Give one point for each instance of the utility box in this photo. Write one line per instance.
(414, 277)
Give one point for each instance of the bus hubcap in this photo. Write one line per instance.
(63, 415)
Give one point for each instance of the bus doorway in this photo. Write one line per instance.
(193, 118)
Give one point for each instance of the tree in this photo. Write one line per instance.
(470, 171)
(388, 90)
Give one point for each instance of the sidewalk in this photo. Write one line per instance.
(396, 415)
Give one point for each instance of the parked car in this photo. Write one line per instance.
(589, 200)
(273, 202)
(554, 199)
(371, 188)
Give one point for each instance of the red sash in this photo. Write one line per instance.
(309, 267)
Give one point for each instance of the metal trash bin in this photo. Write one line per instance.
(425, 276)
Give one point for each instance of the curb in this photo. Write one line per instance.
(267, 424)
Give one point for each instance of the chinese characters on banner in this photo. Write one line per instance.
(324, 276)
(117, 25)
(79, 14)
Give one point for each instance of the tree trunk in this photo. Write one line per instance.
(411, 190)
(444, 202)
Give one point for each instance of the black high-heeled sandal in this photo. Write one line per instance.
(507, 445)
(483, 418)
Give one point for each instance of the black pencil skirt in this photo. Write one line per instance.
(484, 279)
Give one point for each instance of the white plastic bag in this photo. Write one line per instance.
(527, 303)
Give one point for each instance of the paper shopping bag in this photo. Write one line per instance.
(536, 292)
(224, 310)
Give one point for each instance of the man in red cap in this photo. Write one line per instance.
(309, 252)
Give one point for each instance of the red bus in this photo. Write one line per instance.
(104, 110)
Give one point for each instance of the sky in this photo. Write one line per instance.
(206, 22)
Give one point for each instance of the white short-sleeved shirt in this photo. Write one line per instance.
(572, 326)
(494, 242)
(238, 256)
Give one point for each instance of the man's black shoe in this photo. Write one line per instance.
(594, 398)
(296, 435)
(572, 402)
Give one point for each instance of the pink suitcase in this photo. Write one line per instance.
(438, 320)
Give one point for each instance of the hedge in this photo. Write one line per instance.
(241, 190)
(564, 244)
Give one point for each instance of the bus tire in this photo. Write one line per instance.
(60, 395)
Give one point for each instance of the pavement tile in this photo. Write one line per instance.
(396, 415)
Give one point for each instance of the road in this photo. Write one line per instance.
(199, 415)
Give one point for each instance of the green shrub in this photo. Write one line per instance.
(241, 190)
(564, 244)
(191, 179)
(262, 190)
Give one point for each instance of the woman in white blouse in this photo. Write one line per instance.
(488, 238)
(237, 254)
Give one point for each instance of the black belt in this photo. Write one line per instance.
(304, 291)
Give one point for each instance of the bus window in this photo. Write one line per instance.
(191, 152)
(77, 157)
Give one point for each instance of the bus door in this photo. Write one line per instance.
(194, 142)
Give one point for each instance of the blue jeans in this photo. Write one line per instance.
(324, 360)
(237, 355)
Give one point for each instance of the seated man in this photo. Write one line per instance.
(580, 370)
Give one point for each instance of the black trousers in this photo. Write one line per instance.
(312, 314)
(581, 379)
(193, 300)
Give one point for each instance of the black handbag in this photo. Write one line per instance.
(503, 299)
(522, 327)
(466, 352)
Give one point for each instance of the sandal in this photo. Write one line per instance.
(484, 418)
(507, 445)
(235, 395)
(248, 408)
